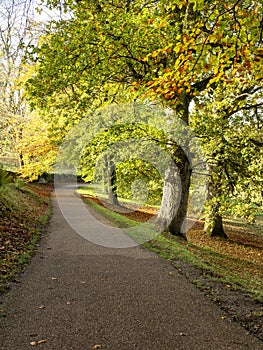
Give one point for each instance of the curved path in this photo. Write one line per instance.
(76, 295)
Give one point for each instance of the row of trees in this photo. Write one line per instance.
(201, 59)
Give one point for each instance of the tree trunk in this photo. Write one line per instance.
(105, 185)
(177, 226)
(213, 221)
(218, 230)
(173, 210)
(21, 160)
(171, 196)
(112, 187)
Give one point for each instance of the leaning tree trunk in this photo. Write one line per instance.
(112, 186)
(177, 227)
(213, 221)
(173, 210)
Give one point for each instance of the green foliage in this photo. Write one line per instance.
(139, 181)
(5, 178)
(19, 184)
(174, 51)
(230, 129)
(129, 143)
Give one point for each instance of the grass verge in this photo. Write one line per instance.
(238, 266)
(24, 213)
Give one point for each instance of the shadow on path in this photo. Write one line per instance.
(77, 295)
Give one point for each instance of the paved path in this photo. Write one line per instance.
(81, 296)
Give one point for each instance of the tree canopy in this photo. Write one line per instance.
(174, 49)
(176, 52)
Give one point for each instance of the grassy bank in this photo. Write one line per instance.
(24, 212)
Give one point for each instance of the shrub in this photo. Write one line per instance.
(5, 178)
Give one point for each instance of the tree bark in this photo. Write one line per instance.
(112, 186)
(218, 229)
(177, 227)
(21, 160)
(171, 196)
(213, 221)
(173, 210)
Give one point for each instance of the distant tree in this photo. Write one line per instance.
(39, 153)
(17, 33)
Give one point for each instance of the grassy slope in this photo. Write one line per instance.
(24, 211)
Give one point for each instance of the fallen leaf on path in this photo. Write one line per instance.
(17, 281)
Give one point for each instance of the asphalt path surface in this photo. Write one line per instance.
(78, 295)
